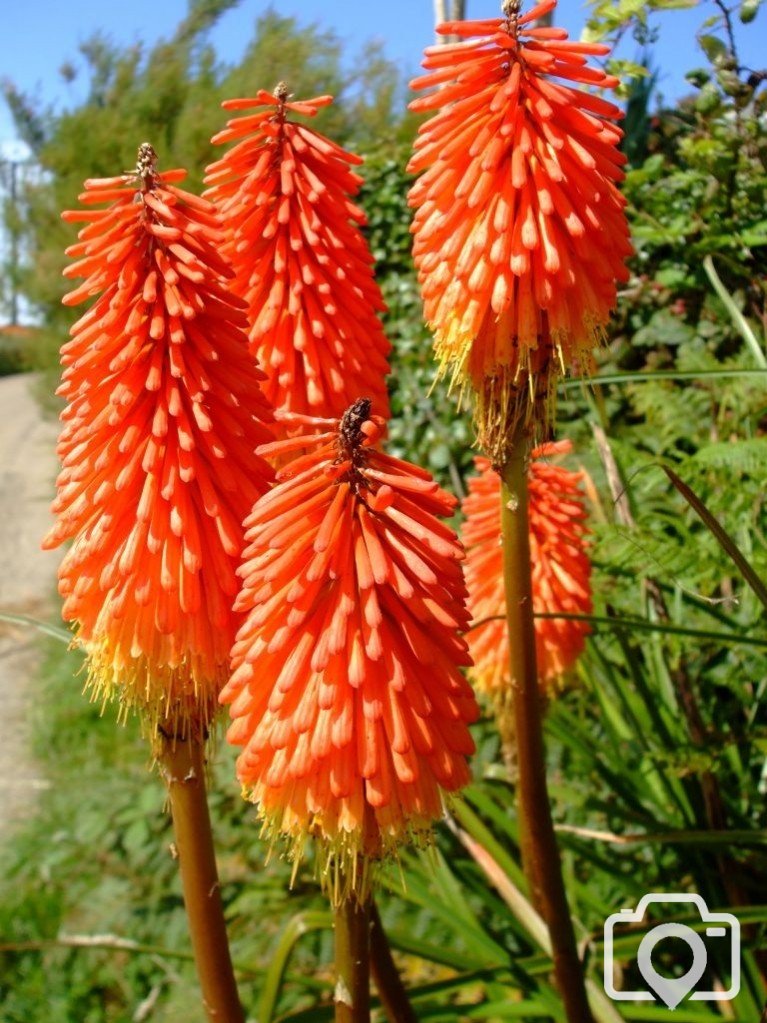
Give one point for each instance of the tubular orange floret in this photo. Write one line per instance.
(164, 414)
(346, 692)
(519, 230)
(560, 563)
(301, 262)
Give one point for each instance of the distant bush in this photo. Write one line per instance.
(15, 354)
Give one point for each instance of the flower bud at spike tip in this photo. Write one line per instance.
(164, 414)
(561, 571)
(347, 695)
(146, 163)
(519, 232)
(301, 262)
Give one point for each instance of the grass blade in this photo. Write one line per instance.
(295, 929)
(726, 839)
(405, 942)
(602, 1009)
(644, 625)
(34, 623)
(737, 317)
(661, 374)
(723, 537)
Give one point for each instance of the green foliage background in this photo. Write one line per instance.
(657, 746)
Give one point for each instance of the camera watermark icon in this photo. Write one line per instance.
(672, 990)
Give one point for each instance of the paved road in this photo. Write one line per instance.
(27, 583)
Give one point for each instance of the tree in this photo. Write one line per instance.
(170, 94)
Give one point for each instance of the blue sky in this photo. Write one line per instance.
(39, 35)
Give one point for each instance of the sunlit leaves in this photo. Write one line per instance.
(749, 10)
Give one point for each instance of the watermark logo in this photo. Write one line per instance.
(672, 990)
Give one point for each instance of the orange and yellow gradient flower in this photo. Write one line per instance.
(519, 230)
(347, 694)
(164, 414)
(561, 570)
(286, 193)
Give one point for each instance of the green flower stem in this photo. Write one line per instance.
(352, 956)
(540, 855)
(183, 767)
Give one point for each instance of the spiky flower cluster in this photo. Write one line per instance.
(164, 414)
(301, 262)
(520, 234)
(561, 570)
(347, 695)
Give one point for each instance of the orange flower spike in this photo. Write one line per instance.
(301, 262)
(164, 414)
(519, 230)
(561, 570)
(346, 691)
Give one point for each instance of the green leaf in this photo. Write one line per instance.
(714, 48)
(657, 375)
(643, 625)
(755, 235)
(708, 99)
(672, 276)
(723, 537)
(439, 456)
(34, 623)
(698, 77)
(744, 457)
(736, 315)
(748, 10)
(715, 839)
(296, 927)
(443, 955)
(421, 890)
(681, 1014)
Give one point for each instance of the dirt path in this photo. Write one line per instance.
(27, 577)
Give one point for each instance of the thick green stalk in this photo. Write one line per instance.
(183, 767)
(540, 854)
(352, 956)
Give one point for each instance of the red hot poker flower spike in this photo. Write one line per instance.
(520, 234)
(300, 259)
(158, 446)
(561, 570)
(346, 694)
